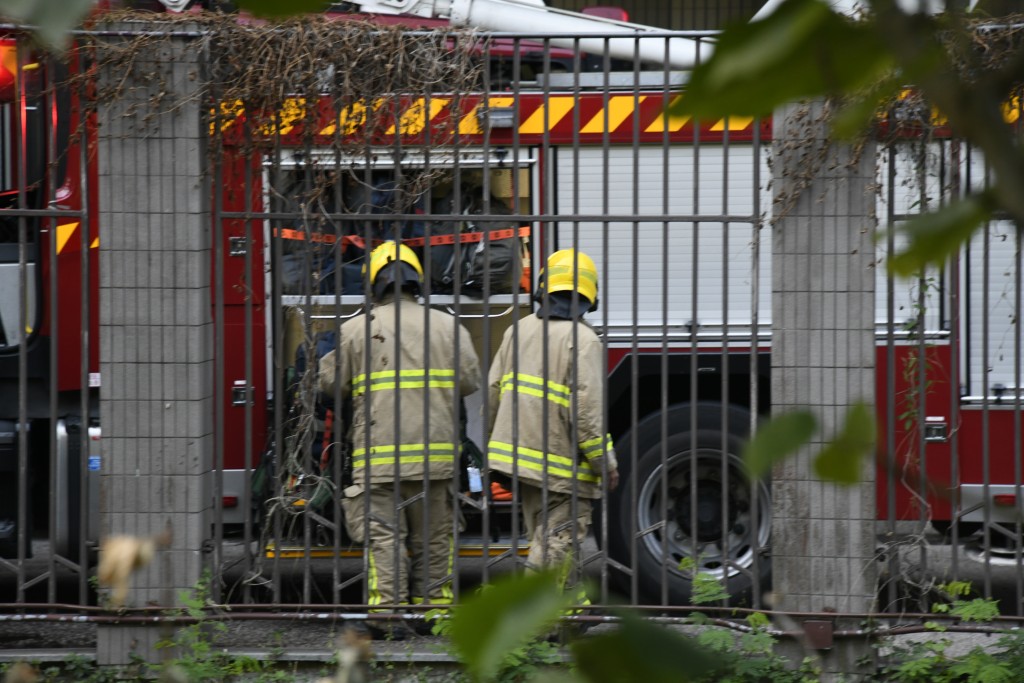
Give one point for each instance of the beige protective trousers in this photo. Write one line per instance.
(406, 562)
(553, 533)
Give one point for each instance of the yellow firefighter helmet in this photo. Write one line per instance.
(406, 270)
(568, 270)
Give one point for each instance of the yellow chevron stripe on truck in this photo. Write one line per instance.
(352, 118)
(416, 116)
(618, 110)
(615, 114)
(65, 231)
(470, 123)
(547, 115)
(667, 120)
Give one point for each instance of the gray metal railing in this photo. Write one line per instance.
(674, 214)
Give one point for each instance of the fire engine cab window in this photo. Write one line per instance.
(8, 68)
(9, 312)
(22, 185)
(8, 186)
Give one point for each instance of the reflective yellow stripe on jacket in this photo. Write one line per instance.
(404, 379)
(408, 454)
(534, 386)
(593, 448)
(556, 465)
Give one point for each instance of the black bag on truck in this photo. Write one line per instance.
(439, 256)
(494, 262)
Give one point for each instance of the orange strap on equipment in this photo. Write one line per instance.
(435, 240)
(468, 237)
(318, 237)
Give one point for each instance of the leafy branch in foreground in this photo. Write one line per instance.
(503, 618)
(965, 68)
(840, 460)
(52, 20)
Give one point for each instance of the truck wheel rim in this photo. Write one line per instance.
(721, 550)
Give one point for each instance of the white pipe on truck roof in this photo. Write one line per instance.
(534, 17)
(515, 16)
(854, 8)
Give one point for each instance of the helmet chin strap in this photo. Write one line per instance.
(405, 274)
(560, 306)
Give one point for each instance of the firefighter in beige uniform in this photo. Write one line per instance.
(559, 444)
(408, 369)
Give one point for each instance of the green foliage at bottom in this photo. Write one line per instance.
(751, 657)
(514, 621)
(527, 660)
(198, 659)
(74, 668)
(932, 660)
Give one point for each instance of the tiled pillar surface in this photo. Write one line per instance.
(823, 358)
(156, 345)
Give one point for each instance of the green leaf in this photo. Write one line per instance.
(840, 460)
(642, 651)
(758, 620)
(53, 19)
(956, 587)
(503, 617)
(979, 609)
(776, 439)
(699, 618)
(801, 50)
(934, 237)
(278, 8)
(916, 669)
(993, 672)
(707, 589)
(982, 667)
(758, 642)
(717, 639)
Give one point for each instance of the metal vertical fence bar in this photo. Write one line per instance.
(86, 507)
(50, 226)
(21, 432)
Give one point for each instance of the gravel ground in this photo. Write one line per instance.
(46, 636)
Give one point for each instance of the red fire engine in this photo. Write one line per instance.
(547, 147)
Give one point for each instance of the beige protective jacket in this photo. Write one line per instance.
(404, 382)
(576, 450)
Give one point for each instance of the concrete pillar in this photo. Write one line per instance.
(156, 331)
(823, 358)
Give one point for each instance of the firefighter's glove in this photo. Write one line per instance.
(613, 479)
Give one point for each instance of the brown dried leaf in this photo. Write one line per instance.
(119, 557)
(20, 672)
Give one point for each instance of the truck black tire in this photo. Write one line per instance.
(963, 529)
(726, 546)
